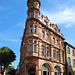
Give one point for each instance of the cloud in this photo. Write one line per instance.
(12, 40)
(65, 16)
(3, 9)
(22, 24)
(67, 26)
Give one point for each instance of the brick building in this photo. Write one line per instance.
(42, 48)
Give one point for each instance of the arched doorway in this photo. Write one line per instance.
(31, 71)
(56, 71)
(45, 70)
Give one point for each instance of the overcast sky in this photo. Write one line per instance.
(13, 14)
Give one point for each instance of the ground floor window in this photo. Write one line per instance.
(56, 71)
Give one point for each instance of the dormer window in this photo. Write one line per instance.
(31, 14)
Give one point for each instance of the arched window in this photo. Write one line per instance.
(68, 50)
(31, 28)
(45, 70)
(47, 51)
(30, 46)
(57, 42)
(42, 50)
(56, 71)
(34, 46)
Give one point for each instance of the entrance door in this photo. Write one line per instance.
(31, 71)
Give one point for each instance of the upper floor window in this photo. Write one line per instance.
(47, 51)
(34, 46)
(68, 50)
(69, 61)
(53, 40)
(31, 14)
(42, 50)
(30, 45)
(53, 54)
(35, 14)
(57, 42)
(73, 62)
(47, 36)
(31, 28)
(57, 56)
(73, 52)
(35, 29)
(42, 34)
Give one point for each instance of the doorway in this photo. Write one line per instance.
(31, 71)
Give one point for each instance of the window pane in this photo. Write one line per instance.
(35, 29)
(31, 14)
(68, 50)
(31, 29)
(30, 45)
(42, 50)
(35, 15)
(69, 61)
(53, 40)
(73, 52)
(47, 37)
(53, 54)
(35, 46)
(57, 56)
(57, 42)
(73, 63)
(42, 34)
(47, 53)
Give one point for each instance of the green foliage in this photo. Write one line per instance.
(6, 56)
(11, 70)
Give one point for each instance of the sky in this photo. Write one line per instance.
(13, 15)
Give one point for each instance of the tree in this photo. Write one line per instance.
(11, 70)
(6, 56)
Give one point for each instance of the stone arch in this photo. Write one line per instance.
(50, 67)
(49, 64)
(57, 70)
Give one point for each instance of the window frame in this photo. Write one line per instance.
(30, 45)
(42, 49)
(31, 15)
(35, 44)
(31, 29)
